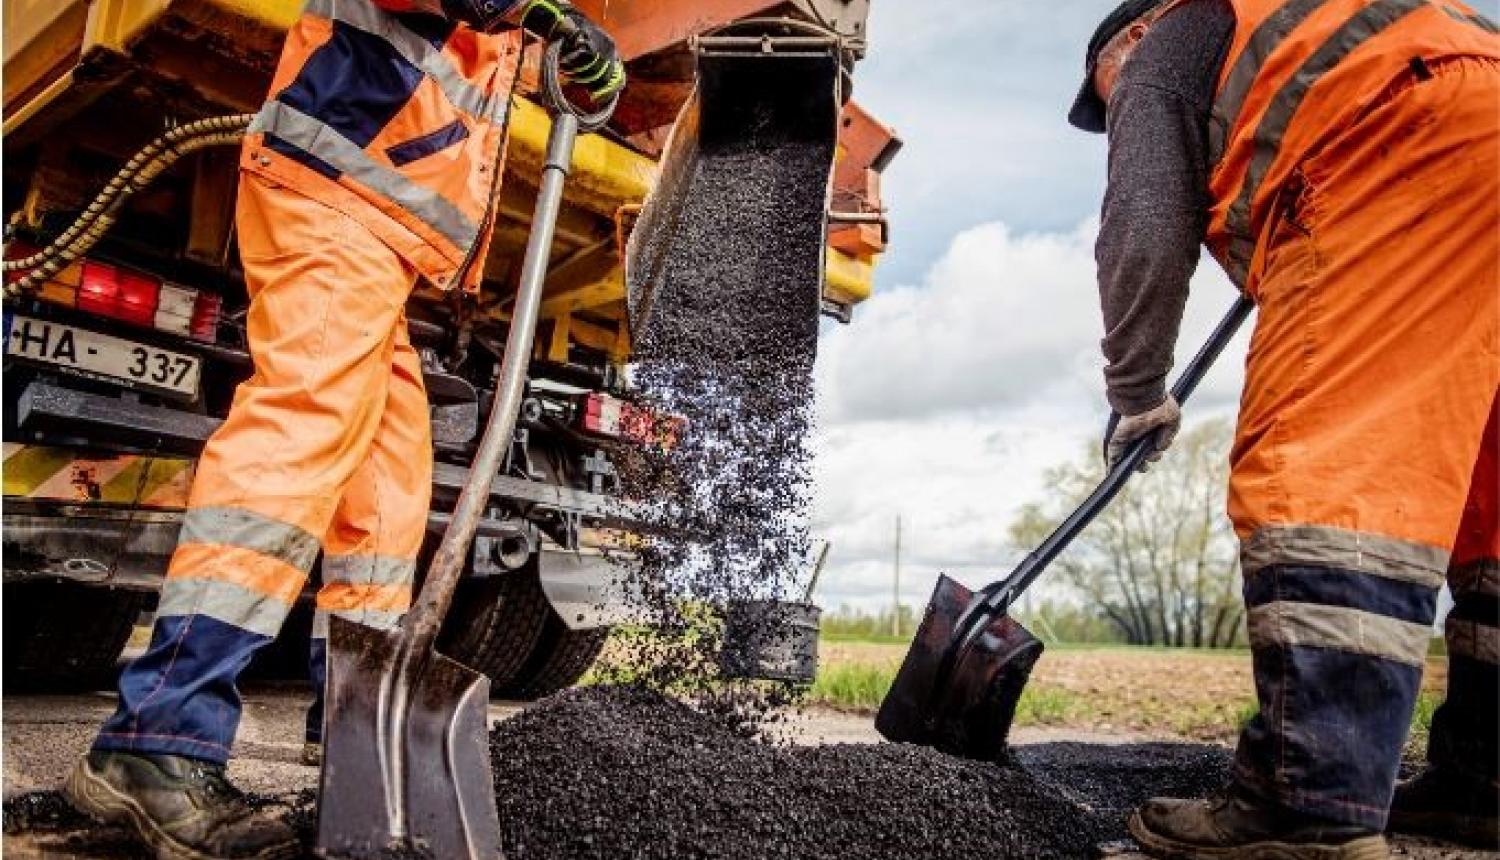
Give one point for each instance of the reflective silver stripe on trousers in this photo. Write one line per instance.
(368, 569)
(378, 619)
(310, 135)
(1326, 546)
(363, 15)
(1476, 577)
(222, 601)
(1313, 625)
(1475, 641)
(1360, 28)
(244, 529)
(1263, 42)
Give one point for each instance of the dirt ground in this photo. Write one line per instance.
(43, 736)
(1157, 694)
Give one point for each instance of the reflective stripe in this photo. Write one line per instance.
(244, 529)
(1472, 640)
(1311, 625)
(369, 569)
(1263, 42)
(369, 617)
(310, 135)
(1360, 28)
(1476, 19)
(363, 15)
(1326, 546)
(223, 601)
(1476, 577)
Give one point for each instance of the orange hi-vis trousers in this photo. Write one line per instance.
(1363, 473)
(327, 447)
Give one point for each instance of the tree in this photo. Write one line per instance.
(1161, 563)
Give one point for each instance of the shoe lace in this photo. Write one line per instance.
(216, 785)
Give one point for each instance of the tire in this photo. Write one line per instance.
(495, 623)
(67, 637)
(561, 657)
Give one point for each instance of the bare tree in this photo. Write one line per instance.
(1161, 564)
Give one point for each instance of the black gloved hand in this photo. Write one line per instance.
(589, 57)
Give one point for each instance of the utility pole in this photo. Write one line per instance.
(896, 584)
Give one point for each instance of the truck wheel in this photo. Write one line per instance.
(560, 658)
(66, 637)
(495, 623)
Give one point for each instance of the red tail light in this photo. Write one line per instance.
(141, 300)
(610, 416)
(114, 292)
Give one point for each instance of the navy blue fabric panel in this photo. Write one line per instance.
(1327, 740)
(180, 697)
(1347, 588)
(355, 84)
(427, 144)
(434, 28)
(296, 153)
(1466, 727)
(1478, 608)
(317, 670)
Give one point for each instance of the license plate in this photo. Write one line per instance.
(100, 355)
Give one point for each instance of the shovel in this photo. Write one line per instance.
(406, 768)
(962, 678)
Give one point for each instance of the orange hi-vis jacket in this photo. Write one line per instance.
(397, 120)
(1299, 72)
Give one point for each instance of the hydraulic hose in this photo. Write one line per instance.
(140, 171)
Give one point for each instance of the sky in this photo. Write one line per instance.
(975, 367)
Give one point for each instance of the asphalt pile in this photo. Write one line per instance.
(625, 772)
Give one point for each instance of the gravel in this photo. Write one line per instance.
(624, 772)
(728, 348)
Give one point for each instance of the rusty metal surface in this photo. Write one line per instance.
(967, 710)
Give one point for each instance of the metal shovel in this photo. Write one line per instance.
(962, 678)
(406, 765)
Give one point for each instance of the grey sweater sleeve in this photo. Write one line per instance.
(1156, 206)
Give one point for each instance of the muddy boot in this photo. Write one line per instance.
(1234, 828)
(182, 808)
(312, 754)
(1449, 805)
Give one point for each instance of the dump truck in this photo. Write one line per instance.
(120, 365)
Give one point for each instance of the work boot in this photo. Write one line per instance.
(312, 754)
(1449, 805)
(184, 809)
(1232, 827)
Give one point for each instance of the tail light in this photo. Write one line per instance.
(604, 415)
(132, 297)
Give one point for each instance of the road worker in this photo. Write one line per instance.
(375, 164)
(1341, 161)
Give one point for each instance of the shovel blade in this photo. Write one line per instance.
(439, 801)
(968, 713)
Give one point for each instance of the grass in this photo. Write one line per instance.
(1194, 694)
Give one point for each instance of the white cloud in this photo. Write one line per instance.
(946, 402)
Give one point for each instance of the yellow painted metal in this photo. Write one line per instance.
(606, 175)
(851, 280)
(62, 475)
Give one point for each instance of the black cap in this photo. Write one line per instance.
(1088, 108)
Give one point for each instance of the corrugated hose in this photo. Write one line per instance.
(142, 169)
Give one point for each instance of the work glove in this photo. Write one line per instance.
(589, 57)
(1163, 420)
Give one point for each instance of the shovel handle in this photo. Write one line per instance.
(997, 597)
(426, 616)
